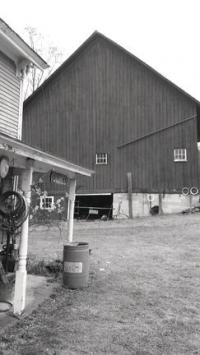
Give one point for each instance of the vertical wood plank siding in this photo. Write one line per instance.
(155, 170)
(105, 98)
(9, 97)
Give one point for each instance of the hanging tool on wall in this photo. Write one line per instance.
(13, 213)
(3, 277)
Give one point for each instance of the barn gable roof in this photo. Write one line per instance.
(95, 36)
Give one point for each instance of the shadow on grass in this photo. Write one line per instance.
(44, 267)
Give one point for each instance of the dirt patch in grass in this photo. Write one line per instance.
(143, 296)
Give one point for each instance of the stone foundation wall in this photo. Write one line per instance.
(143, 202)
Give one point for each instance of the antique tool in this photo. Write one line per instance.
(13, 212)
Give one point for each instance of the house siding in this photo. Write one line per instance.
(103, 99)
(9, 97)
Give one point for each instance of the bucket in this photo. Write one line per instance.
(76, 265)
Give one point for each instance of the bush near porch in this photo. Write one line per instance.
(40, 188)
(143, 296)
(40, 216)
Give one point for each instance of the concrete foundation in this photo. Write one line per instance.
(143, 202)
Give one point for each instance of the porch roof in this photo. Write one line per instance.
(18, 153)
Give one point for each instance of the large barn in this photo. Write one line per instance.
(135, 128)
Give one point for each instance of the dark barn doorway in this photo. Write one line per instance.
(94, 206)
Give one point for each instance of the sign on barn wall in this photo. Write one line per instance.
(57, 178)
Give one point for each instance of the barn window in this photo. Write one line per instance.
(46, 202)
(101, 158)
(180, 154)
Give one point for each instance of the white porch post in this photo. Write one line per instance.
(21, 273)
(72, 191)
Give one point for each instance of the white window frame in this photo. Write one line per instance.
(180, 154)
(101, 158)
(42, 202)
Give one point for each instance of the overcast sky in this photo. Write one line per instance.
(163, 33)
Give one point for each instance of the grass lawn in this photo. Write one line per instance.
(143, 297)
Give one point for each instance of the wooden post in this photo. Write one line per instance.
(160, 204)
(130, 207)
(190, 202)
(66, 205)
(21, 273)
(71, 203)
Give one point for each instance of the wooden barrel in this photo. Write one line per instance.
(76, 265)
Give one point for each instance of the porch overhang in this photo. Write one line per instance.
(18, 153)
(30, 159)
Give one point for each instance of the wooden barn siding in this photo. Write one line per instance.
(198, 123)
(103, 99)
(9, 97)
(151, 163)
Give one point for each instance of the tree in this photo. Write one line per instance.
(46, 50)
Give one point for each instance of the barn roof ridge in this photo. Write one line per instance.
(78, 51)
